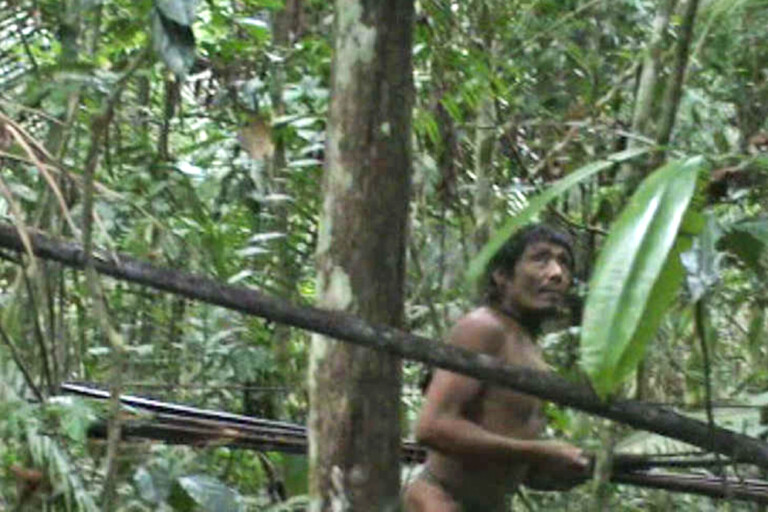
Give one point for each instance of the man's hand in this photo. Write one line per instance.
(560, 466)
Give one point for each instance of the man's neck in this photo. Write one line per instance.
(529, 321)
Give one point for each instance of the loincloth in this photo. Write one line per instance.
(467, 502)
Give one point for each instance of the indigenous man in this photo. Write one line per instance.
(482, 440)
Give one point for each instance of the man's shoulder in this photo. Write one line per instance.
(482, 329)
(484, 317)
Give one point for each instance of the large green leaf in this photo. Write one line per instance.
(201, 492)
(637, 274)
(172, 34)
(536, 204)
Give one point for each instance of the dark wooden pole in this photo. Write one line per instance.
(347, 327)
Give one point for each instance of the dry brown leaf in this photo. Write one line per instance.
(6, 139)
(256, 139)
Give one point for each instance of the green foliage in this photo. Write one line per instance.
(562, 79)
(539, 202)
(748, 241)
(172, 33)
(193, 492)
(637, 275)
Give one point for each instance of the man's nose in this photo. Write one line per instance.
(555, 271)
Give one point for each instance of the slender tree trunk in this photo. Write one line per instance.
(650, 74)
(485, 141)
(674, 90)
(354, 417)
(288, 270)
(172, 93)
(646, 92)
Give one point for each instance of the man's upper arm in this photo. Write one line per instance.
(449, 393)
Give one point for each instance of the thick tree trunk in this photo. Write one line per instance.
(354, 393)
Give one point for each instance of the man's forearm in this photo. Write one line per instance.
(468, 440)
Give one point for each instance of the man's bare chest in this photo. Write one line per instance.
(509, 412)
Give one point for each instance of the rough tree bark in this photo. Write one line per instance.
(354, 393)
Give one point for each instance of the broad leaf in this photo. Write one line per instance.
(203, 492)
(748, 241)
(172, 34)
(537, 204)
(702, 263)
(637, 275)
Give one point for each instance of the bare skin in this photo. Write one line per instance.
(482, 440)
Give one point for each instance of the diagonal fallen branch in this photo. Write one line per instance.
(180, 424)
(351, 329)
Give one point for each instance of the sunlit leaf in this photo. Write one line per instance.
(266, 237)
(536, 204)
(636, 275)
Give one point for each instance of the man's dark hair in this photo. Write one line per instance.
(507, 257)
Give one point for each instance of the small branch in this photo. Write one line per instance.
(556, 149)
(17, 359)
(99, 126)
(589, 229)
(39, 335)
(626, 75)
(27, 50)
(700, 331)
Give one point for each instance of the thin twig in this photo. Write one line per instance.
(12, 128)
(701, 331)
(27, 50)
(39, 335)
(17, 359)
(589, 229)
(99, 126)
(31, 110)
(626, 75)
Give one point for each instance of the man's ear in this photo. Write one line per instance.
(499, 277)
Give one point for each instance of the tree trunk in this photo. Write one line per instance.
(674, 90)
(650, 74)
(646, 89)
(354, 393)
(485, 142)
(288, 270)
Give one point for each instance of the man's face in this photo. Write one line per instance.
(540, 280)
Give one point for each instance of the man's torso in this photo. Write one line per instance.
(498, 410)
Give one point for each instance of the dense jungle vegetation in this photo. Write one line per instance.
(193, 135)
